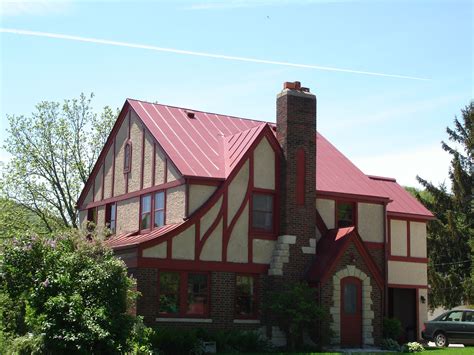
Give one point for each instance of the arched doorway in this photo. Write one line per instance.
(351, 311)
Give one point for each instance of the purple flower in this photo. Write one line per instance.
(45, 283)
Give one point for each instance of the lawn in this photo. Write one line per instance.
(428, 351)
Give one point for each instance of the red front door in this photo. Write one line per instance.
(351, 311)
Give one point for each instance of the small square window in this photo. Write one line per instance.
(262, 211)
(159, 213)
(111, 216)
(345, 214)
(145, 218)
(245, 296)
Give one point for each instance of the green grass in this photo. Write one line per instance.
(428, 351)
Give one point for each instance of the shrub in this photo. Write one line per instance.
(71, 290)
(389, 344)
(413, 347)
(141, 339)
(171, 341)
(392, 328)
(240, 341)
(296, 312)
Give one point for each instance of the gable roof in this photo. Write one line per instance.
(403, 203)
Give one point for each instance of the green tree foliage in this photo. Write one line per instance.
(65, 294)
(450, 236)
(53, 152)
(296, 312)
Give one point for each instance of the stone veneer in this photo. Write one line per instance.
(367, 312)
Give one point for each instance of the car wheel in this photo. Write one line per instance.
(441, 340)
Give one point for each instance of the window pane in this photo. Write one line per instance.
(468, 316)
(145, 221)
(262, 220)
(146, 203)
(197, 294)
(245, 295)
(159, 218)
(350, 298)
(262, 202)
(455, 316)
(159, 201)
(345, 212)
(169, 292)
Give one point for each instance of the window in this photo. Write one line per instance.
(350, 298)
(111, 216)
(197, 294)
(262, 212)
(455, 316)
(92, 215)
(345, 214)
(469, 316)
(183, 293)
(245, 296)
(169, 292)
(127, 157)
(145, 217)
(159, 215)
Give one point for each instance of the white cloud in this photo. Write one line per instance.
(34, 7)
(236, 4)
(429, 162)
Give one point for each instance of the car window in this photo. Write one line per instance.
(468, 316)
(455, 316)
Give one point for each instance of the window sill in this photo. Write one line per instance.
(247, 321)
(184, 320)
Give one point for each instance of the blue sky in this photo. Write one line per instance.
(387, 125)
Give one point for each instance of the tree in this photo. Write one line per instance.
(451, 235)
(66, 293)
(53, 152)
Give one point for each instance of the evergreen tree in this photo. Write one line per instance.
(451, 235)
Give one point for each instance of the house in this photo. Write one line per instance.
(211, 212)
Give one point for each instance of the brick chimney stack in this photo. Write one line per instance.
(296, 133)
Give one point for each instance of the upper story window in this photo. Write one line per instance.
(345, 214)
(152, 210)
(262, 211)
(92, 215)
(127, 157)
(145, 216)
(111, 216)
(245, 296)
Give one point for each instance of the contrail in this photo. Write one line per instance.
(200, 54)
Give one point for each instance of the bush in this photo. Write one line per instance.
(70, 290)
(141, 339)
(240, 341)
(171, 341)
(392, 328)
(389, 344)
(413, 347)
(296, 312)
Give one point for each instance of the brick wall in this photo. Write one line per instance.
(296, 129)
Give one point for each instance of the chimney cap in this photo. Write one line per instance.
(295, 85)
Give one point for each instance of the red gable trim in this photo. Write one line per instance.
(352, 197)
(410, 216)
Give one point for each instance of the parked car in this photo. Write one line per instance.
(455, 326)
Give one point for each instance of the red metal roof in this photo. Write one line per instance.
(134, 238)
(402, 201)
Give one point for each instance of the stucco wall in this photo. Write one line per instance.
(326, 209)
(407, 273)
(101, 217)
(148, 161)
(237, 249)
(159, 167)
(418, 239)
(136, 136)
(98, 186)
(264, 165)
(183, 245)
(210, 216)
(262, 251)
(237, 189)
(109, 159)
(156, 251)
(370, 218)
(82, 217)
(198, 194)
(212, 249)
(120, 140)
(88, 198)
(175, 204)
(172, 173)
(128, 215)
(398, 237)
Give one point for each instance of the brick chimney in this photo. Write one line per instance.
(296, 133)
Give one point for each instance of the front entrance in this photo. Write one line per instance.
(351, 311)
(402, 305)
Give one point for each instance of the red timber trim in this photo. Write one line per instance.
(165, 175)
(93, 190)
(256, 301)
(408, 259)
(126, 172)
(142, 163)
(202, 265)
(374, 245)
(186, 198)
(153, 163)
(200, 241)
(408, 239)
(410, 217)
(103, 180)
(129, 195)
(222, 191)
(407, 286)
(374, 270)
(300, 177)
(113, 170)
(204, 181)
(351, 197)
